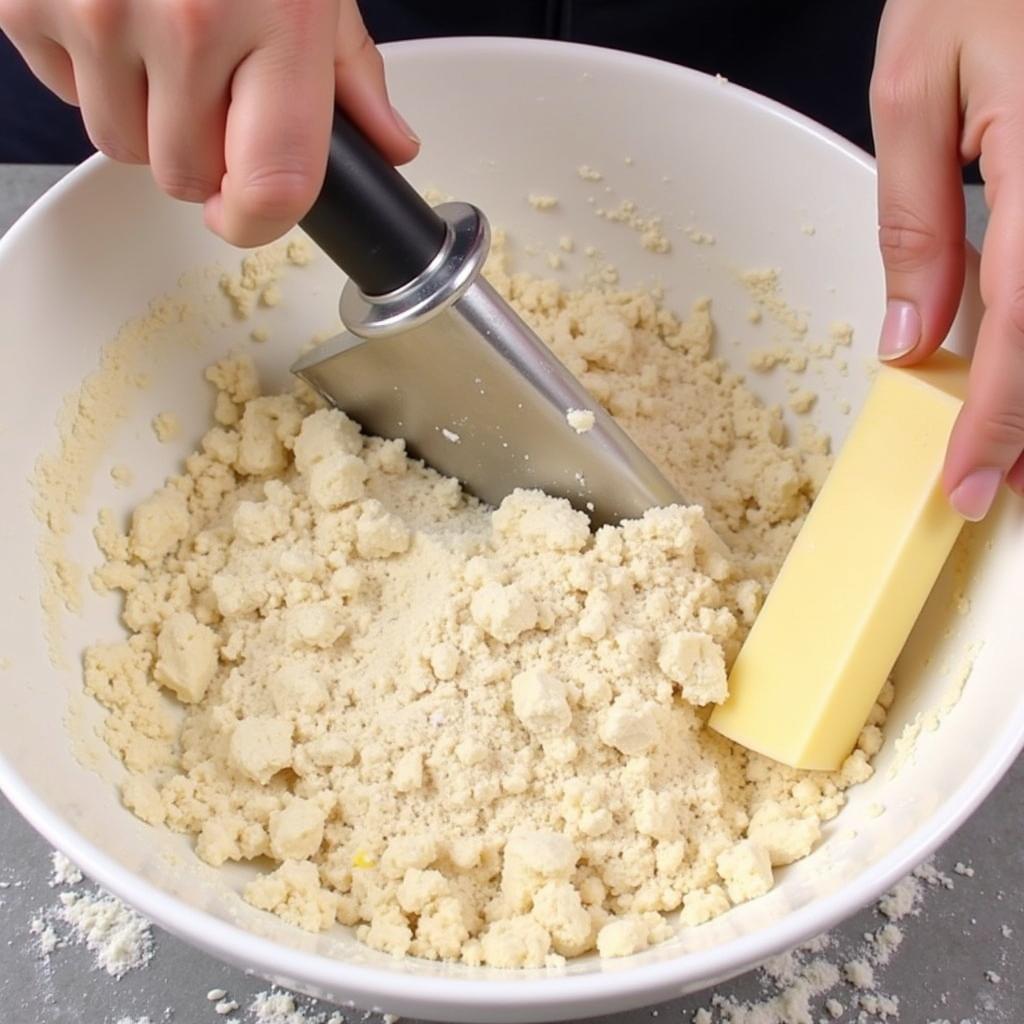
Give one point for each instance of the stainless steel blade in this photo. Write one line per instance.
(478, 396)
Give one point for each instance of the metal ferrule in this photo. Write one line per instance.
(456, 266)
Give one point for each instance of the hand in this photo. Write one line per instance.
(229, 101)
(948, 87)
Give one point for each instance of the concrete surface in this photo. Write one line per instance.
(960, 960)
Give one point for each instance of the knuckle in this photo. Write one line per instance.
(365, 56)
(1008, 309)
(194, 21)
(1003, 428)
(298, 21)
(277, 194)
(98, 19)
(894, 91)
(907, 244)
(299, 13)
(116, 149)
(186, 186)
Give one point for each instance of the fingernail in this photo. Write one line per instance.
(974, 495)
(404, 125)
(901, 329)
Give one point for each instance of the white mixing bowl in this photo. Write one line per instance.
(501, 118)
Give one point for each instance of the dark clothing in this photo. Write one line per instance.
(814, 55)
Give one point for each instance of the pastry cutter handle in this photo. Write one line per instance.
(371, 222)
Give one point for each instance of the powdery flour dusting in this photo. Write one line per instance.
(472, 734)
(119, 939)
(841, 982)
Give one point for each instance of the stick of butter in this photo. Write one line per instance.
(855, 579)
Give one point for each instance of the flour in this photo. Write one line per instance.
(88, 418)
(648, 227)
(763, 287)
(119, 939)
(275, 1007)
(64, 872)
(837, 976)
(468, 733)
(930, 719)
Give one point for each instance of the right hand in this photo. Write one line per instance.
(230, 102)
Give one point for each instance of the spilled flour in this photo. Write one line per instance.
(470, 734)
(827, 979)
(841, 976)
(119, 939)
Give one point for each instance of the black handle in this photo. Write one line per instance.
(369, 219)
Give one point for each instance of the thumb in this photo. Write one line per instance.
(920, 208)
(362, 92)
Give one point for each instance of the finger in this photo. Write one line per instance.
(988, 438)
(362, 91)
(50, 63)
(916, 121)
(189, 71)
(109, 78)
(277, 131)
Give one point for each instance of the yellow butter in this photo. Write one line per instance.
(855, 579)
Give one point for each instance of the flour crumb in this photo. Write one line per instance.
(649, 228)
(63, 872)
(581, 420)
(902, 900)
(764, 288)
(46, 939)
(962, 869)
(588, 173)
(859, 973)
(166, 427)
(802, 400)
(542, 202)
(215, 995)
(699, 237)
(122, 475)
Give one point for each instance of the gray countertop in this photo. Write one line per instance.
(960, 960)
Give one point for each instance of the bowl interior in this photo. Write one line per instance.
(501, 119)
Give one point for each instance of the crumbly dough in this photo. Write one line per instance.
(471, 734)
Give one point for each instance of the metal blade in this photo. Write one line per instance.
(478, 396)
